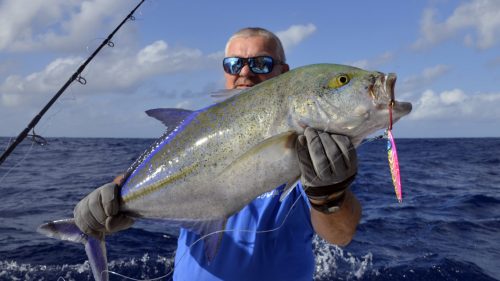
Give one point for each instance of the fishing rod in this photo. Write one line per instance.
(76, 76)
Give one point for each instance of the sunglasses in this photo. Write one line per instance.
(258, 65)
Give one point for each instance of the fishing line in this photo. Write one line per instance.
(365, 141)
(284, 220)
(287, 215)
(8, 142)
(18, 163)
(131, 278)
(282, 223)
(214, 233)
(36, 138)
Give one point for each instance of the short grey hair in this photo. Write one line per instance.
(258, 31)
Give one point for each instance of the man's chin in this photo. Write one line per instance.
(243, 86)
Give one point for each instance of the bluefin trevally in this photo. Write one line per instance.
(212, 162)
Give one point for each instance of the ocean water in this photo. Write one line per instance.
(447, 228)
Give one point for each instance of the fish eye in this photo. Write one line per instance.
(338, 81)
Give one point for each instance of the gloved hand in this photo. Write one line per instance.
(98, 213)
(328, 163)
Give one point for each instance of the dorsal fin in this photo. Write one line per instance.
(170, 117)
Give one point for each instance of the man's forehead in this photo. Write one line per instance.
(251, 46)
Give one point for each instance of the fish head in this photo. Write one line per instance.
(349, 101)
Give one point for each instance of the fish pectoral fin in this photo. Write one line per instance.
(213, 237)
(94, 247)
(210, 233)
(170, 117)
(289, 188)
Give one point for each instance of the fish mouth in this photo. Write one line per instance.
(383, 95)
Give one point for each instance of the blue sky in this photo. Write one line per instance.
(446, 55)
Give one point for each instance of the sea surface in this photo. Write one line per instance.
(447, 228)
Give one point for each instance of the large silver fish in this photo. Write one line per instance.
(214, 161)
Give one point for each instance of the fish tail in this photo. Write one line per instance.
(94, 247)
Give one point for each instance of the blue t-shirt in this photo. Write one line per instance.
(245, 254)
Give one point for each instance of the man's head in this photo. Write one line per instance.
(253, 42)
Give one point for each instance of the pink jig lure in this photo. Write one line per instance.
(392, 156)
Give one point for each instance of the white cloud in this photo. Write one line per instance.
(153, 53)
(425, 78)
(119, 70)
(56, 24)
(481, 16)
(452, 97)
(374, 62)
(456, 105)
(295, 34)
(16, 89)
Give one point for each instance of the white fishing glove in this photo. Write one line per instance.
(328, 163)
(98, 213)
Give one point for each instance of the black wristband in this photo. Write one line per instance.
(330, 206)
(323, 192)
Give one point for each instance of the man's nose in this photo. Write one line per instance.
(245, 71)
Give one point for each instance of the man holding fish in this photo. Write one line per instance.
(269, 239)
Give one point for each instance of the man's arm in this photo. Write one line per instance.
(329, 164)
(338, 227)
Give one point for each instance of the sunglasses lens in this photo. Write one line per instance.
(232, 65)
(258, 65)
(261, 65)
